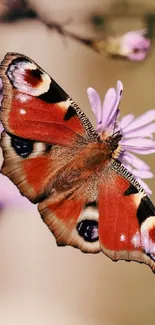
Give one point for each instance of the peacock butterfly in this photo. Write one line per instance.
(56, 159)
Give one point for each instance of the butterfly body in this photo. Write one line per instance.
(56, 158)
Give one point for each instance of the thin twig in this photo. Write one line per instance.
(19, 9)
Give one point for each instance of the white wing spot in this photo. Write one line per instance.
(147, 242)
(22, 111)
(122, 237)
(136, 240)
(23, 98)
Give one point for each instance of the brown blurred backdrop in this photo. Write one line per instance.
(41, 284)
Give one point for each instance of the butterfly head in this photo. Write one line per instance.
(113, 140)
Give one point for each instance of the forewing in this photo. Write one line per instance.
(44, 128)
(36, 108)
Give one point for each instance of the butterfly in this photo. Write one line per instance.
(86, 197)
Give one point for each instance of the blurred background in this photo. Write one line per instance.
(40, 283)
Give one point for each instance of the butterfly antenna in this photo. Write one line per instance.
(115, 122)
(114, 128)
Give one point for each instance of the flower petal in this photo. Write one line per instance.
(142, 120)
(138, 143)
(127, 166)
(141, 146)
(135, 161)
(142, 173)
(139, 56)
(140, 151)
(133, 38)
(126, 120)
(134, 46)
(95, 103)
(115, 111)
(143, 131)
(110, 104)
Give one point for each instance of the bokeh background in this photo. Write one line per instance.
(41, 284)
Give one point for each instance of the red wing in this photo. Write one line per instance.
(36, 108)
(126, 218)
(32, 165)
(108, 212)
(44, 127)
(73, 219)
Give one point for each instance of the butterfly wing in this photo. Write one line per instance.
(44, 127)
(109, 212)
(36, 108)
(103, 210)
(73, 217)
(32, 165)
(126, 218)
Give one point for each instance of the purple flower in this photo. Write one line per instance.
(134, 45)
(137, 131)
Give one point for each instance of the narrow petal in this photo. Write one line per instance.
(126, 120)
(143, 131)
(137, 143)
(110, 104)
(115, 111)
(95, 103)
(145, 186)
(135, 161)
(142, 173)
(128, 167)
(142, 120)
(139, 151)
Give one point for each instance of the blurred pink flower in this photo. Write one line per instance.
(134, 45)
(137, 132)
